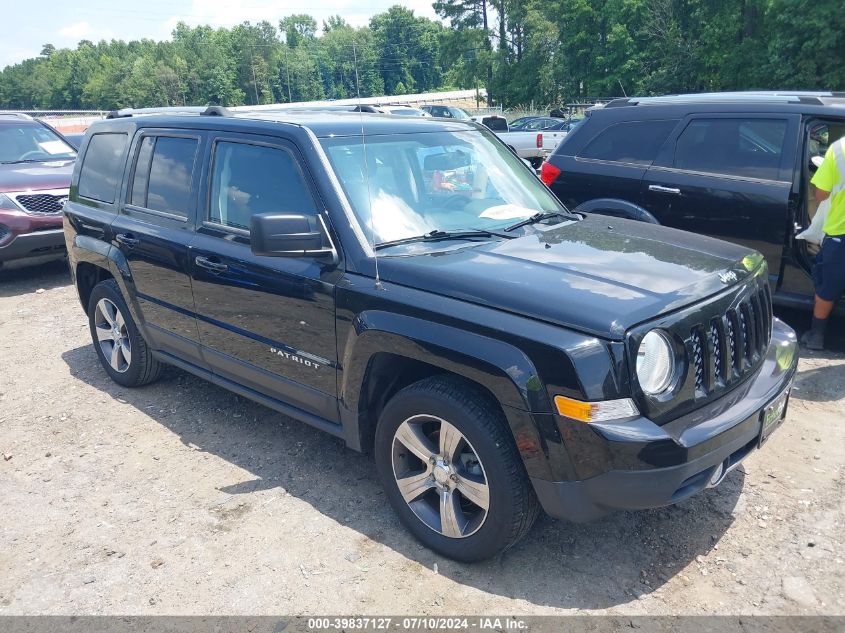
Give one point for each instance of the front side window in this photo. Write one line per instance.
(102, 166)
(411, 184)
(738, 147)
(163, 174)
(251, 179)
(634, 142)
(31, 142)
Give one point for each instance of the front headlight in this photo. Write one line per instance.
(655, 363)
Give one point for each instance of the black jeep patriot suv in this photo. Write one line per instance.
(409, 286)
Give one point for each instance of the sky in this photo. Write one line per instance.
(63, 23)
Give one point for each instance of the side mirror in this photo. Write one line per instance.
(285, 235)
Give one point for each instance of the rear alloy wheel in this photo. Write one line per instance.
(450, 469)
(112, 335)
(122, 351)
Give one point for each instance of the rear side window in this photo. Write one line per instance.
(630, 142)
(738, 147)
(250, 179)
(102, 167)
(163, 174)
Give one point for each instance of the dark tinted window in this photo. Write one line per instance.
(496, 123)
(102, 166)
(739, 147)
(142, 172)
(629, 142)
(171, 168)
(250, 179)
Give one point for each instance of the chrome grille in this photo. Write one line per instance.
(4, 232)
(698, 347)
(734, 344)
(716, 345)
(41, 203)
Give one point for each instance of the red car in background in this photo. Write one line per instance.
(36, 163)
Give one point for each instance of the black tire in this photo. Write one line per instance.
(142, 368)
(513, 506)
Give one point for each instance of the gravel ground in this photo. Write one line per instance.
(181, 498)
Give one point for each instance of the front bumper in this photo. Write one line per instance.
(49, 243)
(659, 465)
(24, 235)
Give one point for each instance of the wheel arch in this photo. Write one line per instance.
(616, 208)
(385, 353)
(93, 261)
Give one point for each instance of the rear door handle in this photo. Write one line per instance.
(662, 189)
(215, 267)
(127, 239)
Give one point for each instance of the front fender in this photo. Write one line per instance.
(502, 369)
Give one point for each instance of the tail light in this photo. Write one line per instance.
(548, 173)
(539, 141)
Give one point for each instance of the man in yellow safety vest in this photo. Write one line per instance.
(829, 269)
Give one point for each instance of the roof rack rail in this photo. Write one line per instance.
(16, 115)
(195, 110)
(771, 96)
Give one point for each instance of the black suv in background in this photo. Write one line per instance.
(409, 285)
(736, 166)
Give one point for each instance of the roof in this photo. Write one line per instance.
(15, 116)
(323, 123)
(772, 97)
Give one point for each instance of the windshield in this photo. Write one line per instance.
(29, 141)
(520, 122)
(460, 114)
(435, 181)
(407, 112)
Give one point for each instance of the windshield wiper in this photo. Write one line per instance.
(439, 236)
(33, 160)
(539, 217)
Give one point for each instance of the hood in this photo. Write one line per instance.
(35, 176)
(600, 275)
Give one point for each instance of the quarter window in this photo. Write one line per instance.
(630, 142)
(250, 179)
(102, 166)
(739, 147)
(142, 172)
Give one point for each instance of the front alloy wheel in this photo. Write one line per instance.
(450, 468)
(440, 476)
(112, 335)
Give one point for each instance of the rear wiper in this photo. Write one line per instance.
(439, 236)
(539, 217)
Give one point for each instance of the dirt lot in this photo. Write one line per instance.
(180, 498)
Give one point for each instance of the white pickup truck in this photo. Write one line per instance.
(533, 146)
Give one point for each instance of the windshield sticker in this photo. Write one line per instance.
(505, 212)
(54, 147)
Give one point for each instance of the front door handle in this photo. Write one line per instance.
(662, 189)
(127, 239)
(215, 267)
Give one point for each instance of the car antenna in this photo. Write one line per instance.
(366, 168)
